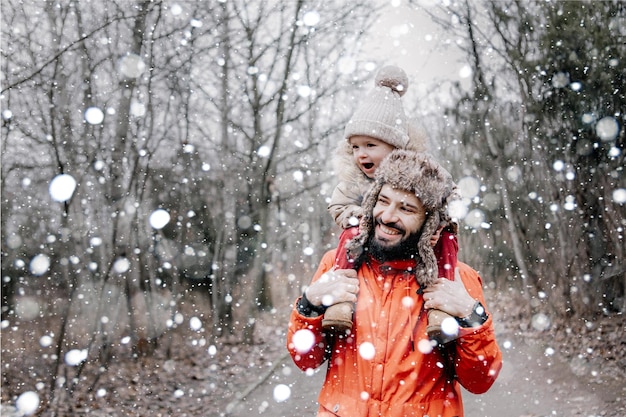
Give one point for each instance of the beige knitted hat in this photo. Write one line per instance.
(416, 172)
(380, 114)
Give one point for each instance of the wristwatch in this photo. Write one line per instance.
(476, 318)
(307, 309)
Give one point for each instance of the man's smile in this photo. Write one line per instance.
(388, 230)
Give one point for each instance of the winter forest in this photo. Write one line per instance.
(167, 165)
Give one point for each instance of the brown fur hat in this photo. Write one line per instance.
(420, 173)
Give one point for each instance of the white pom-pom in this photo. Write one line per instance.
(394, 78)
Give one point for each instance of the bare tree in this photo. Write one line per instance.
(533, 109)
(276, 53)
(224, 116)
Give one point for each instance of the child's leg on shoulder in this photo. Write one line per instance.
(446, 251)
(341, 256)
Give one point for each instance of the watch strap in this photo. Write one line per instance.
(307, 309)
(476, 318)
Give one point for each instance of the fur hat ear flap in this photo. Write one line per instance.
(427, 270)
(356, 246)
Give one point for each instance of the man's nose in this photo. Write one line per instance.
(389, 215)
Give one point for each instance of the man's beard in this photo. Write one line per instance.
(402, 250)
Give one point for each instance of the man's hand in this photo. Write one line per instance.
(449, 296)
(334, 287)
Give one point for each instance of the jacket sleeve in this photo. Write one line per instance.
(478, 358)
(345, 203)
(306, 342)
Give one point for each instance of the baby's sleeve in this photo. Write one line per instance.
(345, 204)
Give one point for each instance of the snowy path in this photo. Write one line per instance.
(531, 384)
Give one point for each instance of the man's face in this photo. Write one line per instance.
(398, 215)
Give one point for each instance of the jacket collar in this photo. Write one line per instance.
(399, 266)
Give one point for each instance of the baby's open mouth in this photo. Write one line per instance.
(368, 165)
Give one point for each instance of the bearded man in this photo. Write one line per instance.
(386, 365)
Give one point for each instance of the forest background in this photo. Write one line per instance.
(167, 165)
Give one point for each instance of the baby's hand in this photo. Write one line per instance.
(435, 237)
(353, 219)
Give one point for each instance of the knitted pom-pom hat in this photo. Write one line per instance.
(380, 114)
(418, 173)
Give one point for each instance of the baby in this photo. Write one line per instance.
(379, 126)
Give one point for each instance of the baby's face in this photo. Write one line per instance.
(368, 152)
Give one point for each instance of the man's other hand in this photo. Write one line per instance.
(449, 296)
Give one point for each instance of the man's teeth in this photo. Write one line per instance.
(388, 230)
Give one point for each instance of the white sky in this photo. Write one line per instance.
(428, 54)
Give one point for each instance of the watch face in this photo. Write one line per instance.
(478, 317)
(479, 309)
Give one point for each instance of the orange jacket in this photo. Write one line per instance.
(386, 366)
